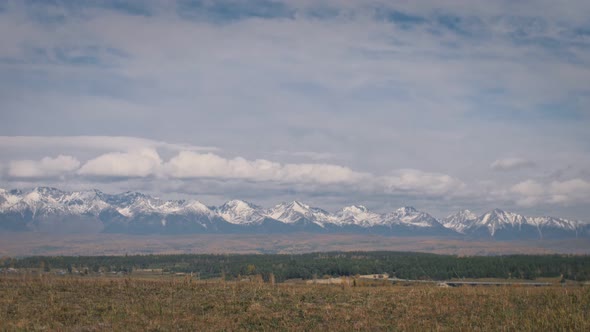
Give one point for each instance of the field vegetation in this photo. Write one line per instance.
(49, 302)
(334, 291)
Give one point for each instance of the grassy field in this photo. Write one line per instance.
(131, 303)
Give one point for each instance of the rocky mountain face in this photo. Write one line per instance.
(505, 225)
(53, 210)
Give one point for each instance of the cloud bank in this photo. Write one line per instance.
(140, 163)
(567, 192)
(189, 165)
(189, 171)
(194, 165)
(44, 168)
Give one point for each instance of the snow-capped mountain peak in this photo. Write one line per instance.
(358, 215)
(50, 201)
(460, 221)
(296, 211)
(239, 205)
(554, 222)
(509, 223)
(356, 208)
(240, 212)
(299, 207)
(194, 206)
(409, 216)
(143, 204)
(499, 219)
(137, 212)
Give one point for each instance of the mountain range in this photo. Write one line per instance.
(45, 209)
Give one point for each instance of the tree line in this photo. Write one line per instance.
(403, 265)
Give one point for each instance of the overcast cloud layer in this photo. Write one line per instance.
(440, 105)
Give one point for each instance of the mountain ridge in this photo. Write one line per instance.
(46, 208)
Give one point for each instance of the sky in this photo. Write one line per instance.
(440, 105)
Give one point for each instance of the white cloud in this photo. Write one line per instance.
(189, 165)
(570, 191)
(46, 167)
(509, 164)
(531, 193)
(195, 165)
(528, 188)
(416, 181)
(321, 173)
(138, 163)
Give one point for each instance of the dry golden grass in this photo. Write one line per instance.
(92, 304)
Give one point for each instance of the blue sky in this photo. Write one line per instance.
(440, 105)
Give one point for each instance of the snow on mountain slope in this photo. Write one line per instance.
(409, 216)
(498, 219)
(8, 199)
(42, 201)
(49, 201)
(295, 211)
(492, 222)
(357, 215)
(149, 205)
(20, 209)
(240, 212)
(194, 206)
(552, 222)
(460, 221)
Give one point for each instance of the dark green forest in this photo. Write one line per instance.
(403, 265)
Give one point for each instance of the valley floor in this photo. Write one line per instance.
(29, 244)
(129, 303)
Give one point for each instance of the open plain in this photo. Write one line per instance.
(47, 302)
(15, 244)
